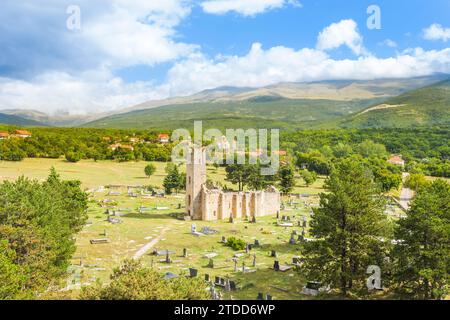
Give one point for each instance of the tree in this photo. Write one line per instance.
(133, 282)
(255, 180)
(237, 174)
(173, 181)
(38, 222)
(369, 149)
(423, 257)
(73, 157)
(347, 227)
(287, 179)
(150, 170)
(415, 181)
(308, 176)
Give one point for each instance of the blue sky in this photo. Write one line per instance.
(128, 52)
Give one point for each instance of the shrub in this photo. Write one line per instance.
(236, 244)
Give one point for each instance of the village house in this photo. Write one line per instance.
(397, 160)
(163, 138)
(4, 135)
(22, 134)
(209, 203)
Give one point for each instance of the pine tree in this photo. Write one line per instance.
(347, 226)
(287, 179)
(423, 256)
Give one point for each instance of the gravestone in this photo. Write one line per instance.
(227, 285)
(193, 272)
(243, 267)
(260, 296)
(257, 244)
(254, 260)
(224, 240)
(211, 263)
(292, 240)
(193, 228)
(269, 297)
(276, 266)
(247, 248)
(273, 254)
(168, 260)
(185, 253)
(235, 264)
(233, 286)
(207, 277)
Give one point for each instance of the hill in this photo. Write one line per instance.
(427, 106)
(285, 105)
(257, 112)
(18, 121)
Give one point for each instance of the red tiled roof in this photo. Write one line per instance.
(23, 132)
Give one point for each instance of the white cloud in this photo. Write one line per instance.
(55, 91)
(92, 87)
(436, 32)
(245, 7)
(279, 64)
(342, 33)
(114, 33)
(388, 43)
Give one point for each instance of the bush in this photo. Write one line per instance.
(236, 244)
(73, 157)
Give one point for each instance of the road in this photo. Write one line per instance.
(406, 194)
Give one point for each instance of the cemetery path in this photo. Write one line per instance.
(150, 245)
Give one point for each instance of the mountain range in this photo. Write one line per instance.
(325, 104)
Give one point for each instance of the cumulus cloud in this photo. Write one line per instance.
(145, 33)
(113, 33)
(279, 64)
(245, 7)
(342, 33)
(436, 32)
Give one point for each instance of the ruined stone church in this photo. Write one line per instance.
(209, 204)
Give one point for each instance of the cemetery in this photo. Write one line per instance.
(178, 248)
(127, 222)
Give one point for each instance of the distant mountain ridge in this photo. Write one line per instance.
(322, 103)
(19, 121)
(286, 105)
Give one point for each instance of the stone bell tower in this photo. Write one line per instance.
(195, 179)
